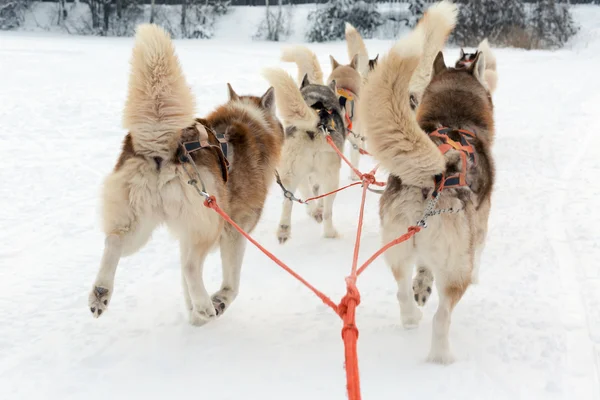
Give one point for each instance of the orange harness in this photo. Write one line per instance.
(347, 101)
(466, 151)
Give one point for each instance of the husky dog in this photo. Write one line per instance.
(149, 184)
(308, 162)
(491, 75)
(407, 146)
(348, 81)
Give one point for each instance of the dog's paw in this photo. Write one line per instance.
(443, 357)
(201, 315)
(422, 284)
(283, 233)
(98, 300)
(222, 299)
(317, 214)
(411, 319)
(330, 233)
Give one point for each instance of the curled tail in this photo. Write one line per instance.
(490, 74)
(290, 103)
(307, 62)
(437, 24)
(158, 99)
(393, 134)
(356, 46)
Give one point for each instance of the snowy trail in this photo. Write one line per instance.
(529, 330)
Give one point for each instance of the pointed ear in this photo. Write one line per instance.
(334, 63)
(477, 68)
(354, 62)
(267, 101)
(305, 81)
(232, 94)
(462, 53)
(333, 86)
(439, 65)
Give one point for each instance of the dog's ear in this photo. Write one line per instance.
(354, 62)
(373, 63)
(232, 94)
(439, 65)
(477, 68)
(462, 53)
(333, 86)
(334, 63)
(305, 81)
(267, 101)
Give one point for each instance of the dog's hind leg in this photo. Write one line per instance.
(126, 232)
(193, 254)
(422, 284)
(450, 291)
(233, 247)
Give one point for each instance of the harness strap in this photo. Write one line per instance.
(466, 152)
(203, 143)
(346, 97)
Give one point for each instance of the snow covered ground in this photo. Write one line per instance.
(529, 330)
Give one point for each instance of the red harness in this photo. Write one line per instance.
(466, 151)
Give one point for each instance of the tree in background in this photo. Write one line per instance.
(329, 20)
(12, 13)
(552, 24)
(416, 8)
(276, 25)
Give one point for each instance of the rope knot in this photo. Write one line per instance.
(210, 202)
(369, 179)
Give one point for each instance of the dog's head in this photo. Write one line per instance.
(346, 76)
(265, 103)
(465, 60)
(324, 100)
(457, 96)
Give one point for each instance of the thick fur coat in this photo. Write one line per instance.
(149, 185)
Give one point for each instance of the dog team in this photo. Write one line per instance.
(429, 125)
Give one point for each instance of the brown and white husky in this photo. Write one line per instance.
(405, 144)
(149, 184)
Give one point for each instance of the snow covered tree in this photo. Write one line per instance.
(416, 9)
(12, 13)
(329, 20)
(198, 17)
(552, 24)
(497, 20)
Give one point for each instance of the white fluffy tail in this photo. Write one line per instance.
(437, 24)
(491, 74)
(290, 103)
(393, 134)
(356, 45)
(307, 62)
(159, 99)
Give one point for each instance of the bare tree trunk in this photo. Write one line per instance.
(94, 9)
(62, 12)
(269, 32)
(279, 18)
(152, 11)
(184, 7)
(106, 11)
(119, 9)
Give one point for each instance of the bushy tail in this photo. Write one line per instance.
(393, 135)
(307, 62)
(290, 103)
(356, 45)
(437, 24)
(159, 99)
(490, 74)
